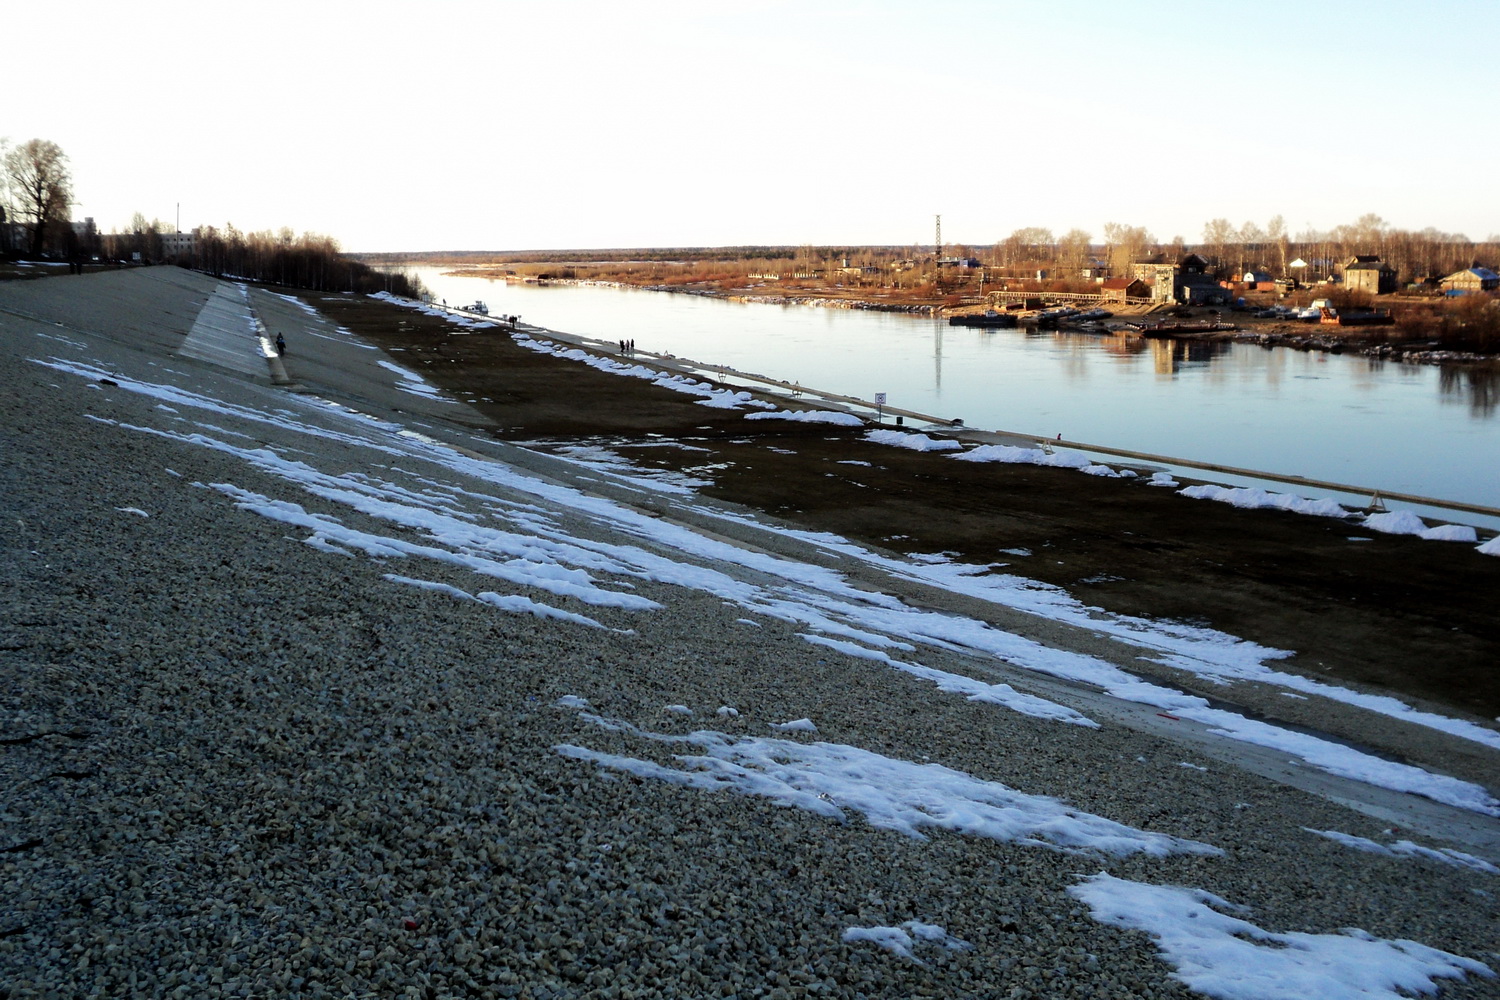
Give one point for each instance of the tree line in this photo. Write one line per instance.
(1416, 255)
(309, 260)
(36, 201)
(1074, 256)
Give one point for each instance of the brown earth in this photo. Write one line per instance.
(1395, 614)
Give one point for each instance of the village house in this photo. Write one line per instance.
(1472, 279)
(1185, 281)
(1120, 289)
(850, 269)
(1158, 273)
(1368, 273)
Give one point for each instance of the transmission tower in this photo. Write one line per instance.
(937, 239)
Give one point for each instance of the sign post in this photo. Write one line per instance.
(879, 408)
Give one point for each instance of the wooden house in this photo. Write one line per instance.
(1471, 279)
(1120, 289)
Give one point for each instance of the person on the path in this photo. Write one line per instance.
(280, 344)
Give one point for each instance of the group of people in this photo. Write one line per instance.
(627, 347)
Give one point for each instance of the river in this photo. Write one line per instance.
(1423, 429)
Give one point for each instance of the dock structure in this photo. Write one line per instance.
(1092, 298)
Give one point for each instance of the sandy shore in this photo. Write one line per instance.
(333, 689)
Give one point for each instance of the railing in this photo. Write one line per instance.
(1086, 297)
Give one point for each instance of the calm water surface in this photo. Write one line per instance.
(1424, 429)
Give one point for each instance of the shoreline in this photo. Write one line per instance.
(479, 375)
(1275, 334)
(1372, 496)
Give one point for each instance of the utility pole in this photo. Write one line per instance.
(937, 254)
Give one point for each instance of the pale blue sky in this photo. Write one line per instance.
(607, 123)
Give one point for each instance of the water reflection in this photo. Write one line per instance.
(1478, 385)
(937, 355)
(1169, 356)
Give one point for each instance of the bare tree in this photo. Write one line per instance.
(1028, 245)
(146, 237)
(1369, 230)
(7, 210)
(1123, 244)
(1252, 242)
(1276, 237)
(38, 174)
(1217, 235)
(1073, 250)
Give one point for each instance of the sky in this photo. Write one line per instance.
(467, 125)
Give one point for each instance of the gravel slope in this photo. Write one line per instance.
(235, 765)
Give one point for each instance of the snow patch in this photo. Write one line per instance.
(1407, 849)
(1012, 455)
(1229, 958)
(913, 442)
(1251, 498)
(810, 417)
(902, 939)
(829, 778)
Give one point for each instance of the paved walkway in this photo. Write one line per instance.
(226, 333)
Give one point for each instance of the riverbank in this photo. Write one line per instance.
(389, 680)
(1374, 342)
(1286, 581)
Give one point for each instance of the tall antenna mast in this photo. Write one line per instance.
(937, 239)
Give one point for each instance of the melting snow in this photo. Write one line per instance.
(914, 442)
(1251, 498)
(437, 520)
(830, 779)
(1407, 849)
(811, 417)
(1229, 958)
(901, 940)
(1012, 455)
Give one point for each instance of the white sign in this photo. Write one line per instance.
(880, 399)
